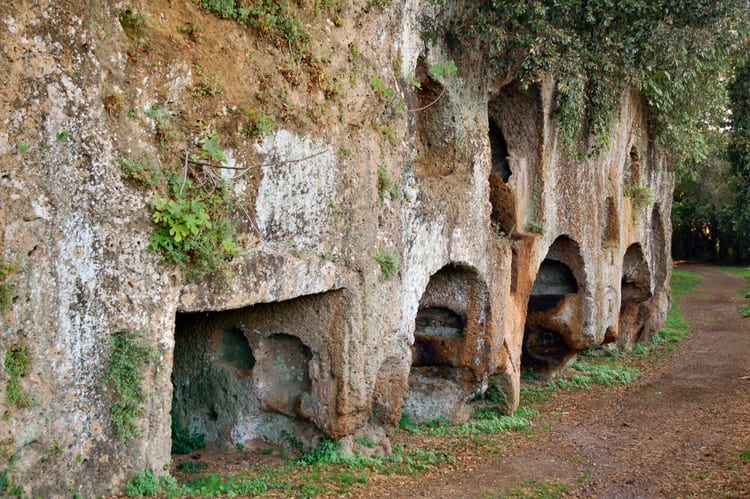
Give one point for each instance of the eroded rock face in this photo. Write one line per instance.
(510, 252)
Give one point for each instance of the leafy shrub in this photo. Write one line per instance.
(192, 228)
(676, 57)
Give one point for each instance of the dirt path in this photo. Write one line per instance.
(676, 432)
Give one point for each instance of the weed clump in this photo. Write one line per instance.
(147, 483)
(270, 17)
(388, 262)
(17, 364)
(143, 171)
(7, 285)
(639, 197)
(132, 23)
(130, 355)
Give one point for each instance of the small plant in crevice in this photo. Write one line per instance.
(386, 130)
(441, 70)
(132, 23)
(535, 227)
(124, 374)
(191, 31)
(7, 285)
(162, 118)
(144, 171)
(387, 188)
(493, 395)
(112, 104)
(210, 148)
(388, 262)
(640, 197)
(257, 124)
(17, 365)
(208, 86)
(184, 441)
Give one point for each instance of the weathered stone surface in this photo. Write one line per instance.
(487, 215)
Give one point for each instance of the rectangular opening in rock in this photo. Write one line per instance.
(552, 309)
(245, 374)
(448, 335)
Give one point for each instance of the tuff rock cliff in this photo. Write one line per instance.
(382, 235)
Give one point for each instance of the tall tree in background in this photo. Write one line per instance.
(711, 209)
(739, 158)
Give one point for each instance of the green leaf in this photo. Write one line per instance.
(211, 148)
(448, 68)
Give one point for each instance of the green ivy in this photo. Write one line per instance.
(674, 53)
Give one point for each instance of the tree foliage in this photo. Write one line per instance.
(711, 209)
(673, 53)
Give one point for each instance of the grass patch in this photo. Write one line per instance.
(581, 376)
(320, 470)
(744, 456)
(534, 489)
(484, 422)
(738, 271)
(675, 328)
(743, 309)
